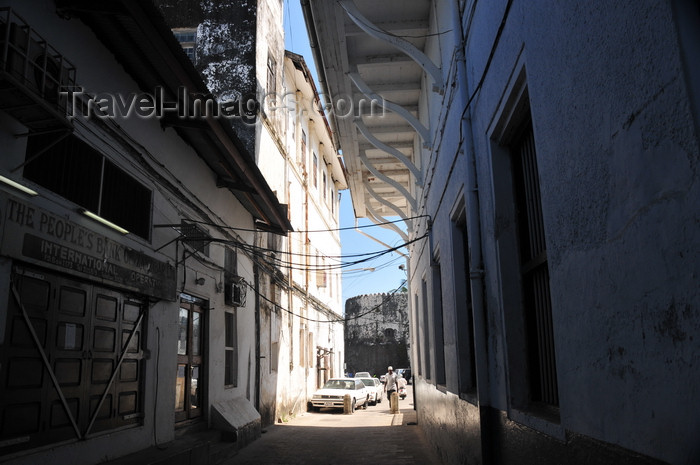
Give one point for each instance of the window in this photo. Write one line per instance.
(333, 197)
(271, 77)
(321, 275)
(231, 348)
(424, 327)
(466, 359)
(230, 277)
(437, 324)
(290, 325)
(276, 292)
(687, 15)
(74, 170)
(188, 40)
(522, 254)
(310, 346)
(315, 168)
(303, 147)
(185, 35)
(416, 329)
(324, 186)
(534, 271)
(189, 51)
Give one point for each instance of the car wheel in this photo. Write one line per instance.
(352, 406)
(366, 403)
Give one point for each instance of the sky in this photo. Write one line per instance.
(386, 275)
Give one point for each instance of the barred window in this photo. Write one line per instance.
(534, 271)
(74, 170)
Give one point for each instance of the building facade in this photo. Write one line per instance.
(238, 47)
(297, 156)
(376, 333)
(544, 156)
(128, 220)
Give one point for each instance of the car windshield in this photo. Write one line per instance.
(369, 382)
(339, 384)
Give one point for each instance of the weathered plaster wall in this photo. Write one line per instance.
(618, 167)
(234, 40)
(225, 50)
(376, 332)
(176, 161)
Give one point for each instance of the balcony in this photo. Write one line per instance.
(32, 75)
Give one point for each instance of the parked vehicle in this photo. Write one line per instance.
(375, 388)
(362, 374)
(332, 394)
(405, 372)
(402, 392)
(382, 379)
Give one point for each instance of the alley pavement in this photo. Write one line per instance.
(330, 437)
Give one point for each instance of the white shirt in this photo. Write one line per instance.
(390, 382)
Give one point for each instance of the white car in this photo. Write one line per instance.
(362, 374)
(332, 394)
(376, 389)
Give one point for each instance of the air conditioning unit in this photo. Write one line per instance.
(33, 62)
(235, 293)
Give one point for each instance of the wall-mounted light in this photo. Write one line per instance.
(199, 281)
(105, 222)
(18, 186)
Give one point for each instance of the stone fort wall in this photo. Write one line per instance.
(376, 333)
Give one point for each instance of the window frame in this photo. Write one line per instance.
(506, 126)
(65, 166)
(231, 347)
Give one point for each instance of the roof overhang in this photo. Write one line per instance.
(380, 145)
(135, 31)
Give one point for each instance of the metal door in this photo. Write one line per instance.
(60, 360)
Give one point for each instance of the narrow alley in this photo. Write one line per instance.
(214, 212)
(331, 437)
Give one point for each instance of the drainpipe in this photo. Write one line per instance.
(476, 271)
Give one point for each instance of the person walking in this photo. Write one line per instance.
(390, 384)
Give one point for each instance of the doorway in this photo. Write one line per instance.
(189, 382)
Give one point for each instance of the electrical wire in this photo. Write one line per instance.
(277, 260)
(312, 230)
(292, 265)
(336, 320)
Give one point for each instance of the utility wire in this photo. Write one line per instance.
(296, 265)
(336, 320)
(311, 230)
(340, 266)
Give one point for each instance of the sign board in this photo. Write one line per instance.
(36, 235)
